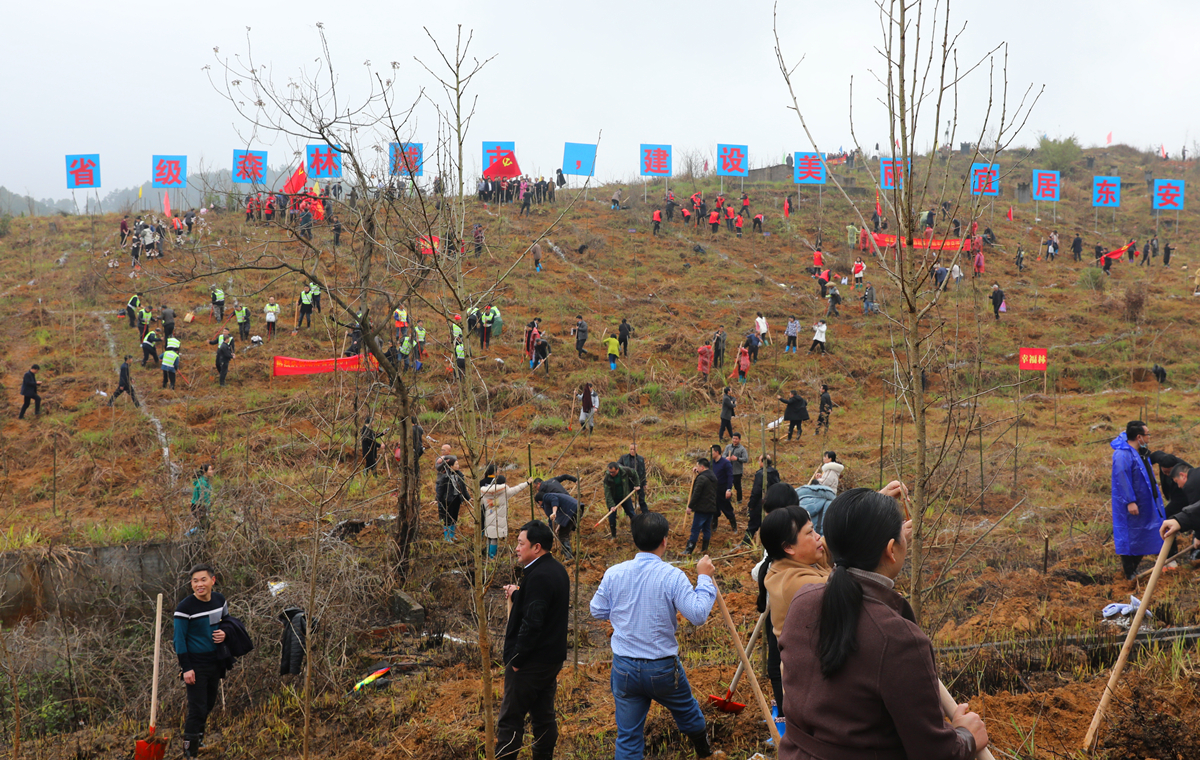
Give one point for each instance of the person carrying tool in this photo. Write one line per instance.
(859, 678)
(619, 485)
(636, 462)
(132, 308)
(589, 403)
(196, 639)
(224, 344)
(535, 645)
(641, 598)
(242, 315)
(148, 349)
(612, 347)
(271, 314)
(123, 384)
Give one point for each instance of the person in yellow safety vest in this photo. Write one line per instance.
(173, 344)
(455, 328)
(242, 314)
(131, 309)
(218, 303)
(406, 347)
(170, 363)
(144, 318)
(485, 327)
(148, 349)
(419, 329)
(400, 315)
(271, 310)
(315, 289)
(460, 358)
(306, 304)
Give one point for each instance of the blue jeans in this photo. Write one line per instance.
(701, 523)
(634, 683)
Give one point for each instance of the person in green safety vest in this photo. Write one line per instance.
(170, 363)
(400, 316)
(315, 289)
(460, 358)
(306, 306)
(406, 348)
(148, 349)
(242, 314)
(456, 332)
(271, 310)
(419, 329)
(131, 309)
(485, 325)
(173, 343)
(145, 317)
(218, 303)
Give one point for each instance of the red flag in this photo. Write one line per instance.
(878, 208)
(787, 207)
(1010, 213)
(1120, 251)
(1163, 148)
(297, 182)
(503, 166)
(1108, 140)
(167, 203)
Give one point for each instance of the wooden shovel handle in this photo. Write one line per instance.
(737, 642)
(157, 650)
(948, 707)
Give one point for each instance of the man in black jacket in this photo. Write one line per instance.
(997, 300)
(29, 389)
(123, 384)
(824, 410)
(766, 477)
(535, 645)
(702, 504)
(553, 485)
(795, 414)
(624, 331)
(728, 405)
(637, 463)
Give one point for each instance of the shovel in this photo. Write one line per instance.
(725, 703)
(737, 642)
(152, 748)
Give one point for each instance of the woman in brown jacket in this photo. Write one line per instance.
(859, 677)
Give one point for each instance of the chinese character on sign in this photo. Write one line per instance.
(655, 160)
(1032, 359)
(809, 169)
(249, 166)
(406, 159)
(83, 171)
(324, 162)
(1168, 195)
(1045, 185)
(1106, 191)
(168, 172)
(984, 179)
(891, 173)
(733, 160)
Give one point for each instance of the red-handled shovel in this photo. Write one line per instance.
(153, 748)
(725, 703)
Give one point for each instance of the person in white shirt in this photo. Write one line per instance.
(763, 330)
(818, 336)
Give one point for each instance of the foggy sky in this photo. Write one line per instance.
(127, 80)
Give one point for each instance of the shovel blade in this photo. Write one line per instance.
(149, 750)
(725, 704)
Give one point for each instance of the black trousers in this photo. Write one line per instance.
(129, 312)
(774, 669)
(37, 409)
(579, 346)
(219, 310)
(725, 425)
(656, 225)
(612, 519)
(726, 507)
(624, 344)
(485, 335)
(371, 458)
(305, 314)
(448, 514)
(1129, 563)
(201, 697)
(737, 486)
(244, 330)
(754, 354)
(796, 425)
(151, 353)
(169, 375)
(124, 389)
(222, 370)
(528, 691)
(815, 344)
(168, 329)
(791, 341)
(317, 302)
(823, 421)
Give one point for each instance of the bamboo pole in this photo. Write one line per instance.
(578, 548)
(1089, 741)
(948, 708)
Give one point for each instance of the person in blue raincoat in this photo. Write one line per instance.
(1137, 505)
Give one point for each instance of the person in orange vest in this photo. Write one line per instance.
(729, 215)
(657, 219)
(818, 261)
(758, 222)
(269, 207)
(697, 199)
(714, 219)
(823, 281)
(737, 225)
(687, 215)
(745, 205)
(720, 201)
(249, 207)
(864, 240)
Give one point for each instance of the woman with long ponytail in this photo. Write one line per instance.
(858, 673)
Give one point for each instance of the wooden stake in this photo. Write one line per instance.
(948, 708)
(578, 548)
(1089, 741)
(529, 474)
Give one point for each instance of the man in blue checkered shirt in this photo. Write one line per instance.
(641, 598)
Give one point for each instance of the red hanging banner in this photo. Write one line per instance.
(937, 244)
(286, 365)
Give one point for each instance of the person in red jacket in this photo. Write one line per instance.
(729, 215)
(714, 219)
(818, 261)
(704, 360)
(758, 222)
(657, 219)
(745, 205)
(687, 215)
(720, 201)
(737, 225)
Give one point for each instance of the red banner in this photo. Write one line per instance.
(1032, 359)
(286, 365)
(937, 244)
